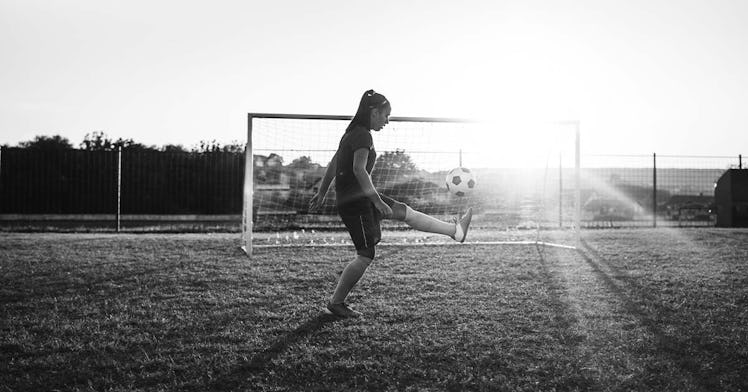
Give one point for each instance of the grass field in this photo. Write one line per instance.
(639, 309)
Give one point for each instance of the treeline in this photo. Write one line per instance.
(100, 141)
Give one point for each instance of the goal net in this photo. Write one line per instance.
(526, 176)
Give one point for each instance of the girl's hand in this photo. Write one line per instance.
(384, 210)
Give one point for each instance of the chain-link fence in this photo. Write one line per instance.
(651, 190)
(152, 186)
(81, 188)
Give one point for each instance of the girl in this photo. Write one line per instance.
(359, 204)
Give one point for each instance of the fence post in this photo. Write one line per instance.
(560, 191)
(1, 172)
(577, 185)
(119, 185)
(654, 189)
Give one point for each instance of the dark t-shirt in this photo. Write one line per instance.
(350, 197)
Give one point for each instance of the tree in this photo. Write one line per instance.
(47, 143)
(234, 147)
(130, 145)
(303, 162)
(206, 146)
(173, 148)
(99, 141)
(392, 166)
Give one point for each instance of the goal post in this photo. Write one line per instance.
(527, 178)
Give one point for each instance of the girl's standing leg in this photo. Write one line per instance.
(365, 232)
(352, 273)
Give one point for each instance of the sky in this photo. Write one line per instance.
(661, 76)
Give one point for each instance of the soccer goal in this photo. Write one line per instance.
(526, 179)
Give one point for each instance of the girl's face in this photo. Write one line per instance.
(380, 118)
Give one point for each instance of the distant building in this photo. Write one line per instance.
(731, 198)
(602, 208)
(268, 170)
(689, 207)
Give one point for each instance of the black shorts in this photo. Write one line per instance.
(364, 225)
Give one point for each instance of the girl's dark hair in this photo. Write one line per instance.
(370, 100)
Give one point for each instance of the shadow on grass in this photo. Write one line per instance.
(681, 347)
(237, 376)
(564, 319)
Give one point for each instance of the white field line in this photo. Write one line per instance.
(414, 244)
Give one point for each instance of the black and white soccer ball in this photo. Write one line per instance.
(460, 181)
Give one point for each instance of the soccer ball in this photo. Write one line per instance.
(460, 181)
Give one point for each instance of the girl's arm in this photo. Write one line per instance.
(329, 176)
(360, 157)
